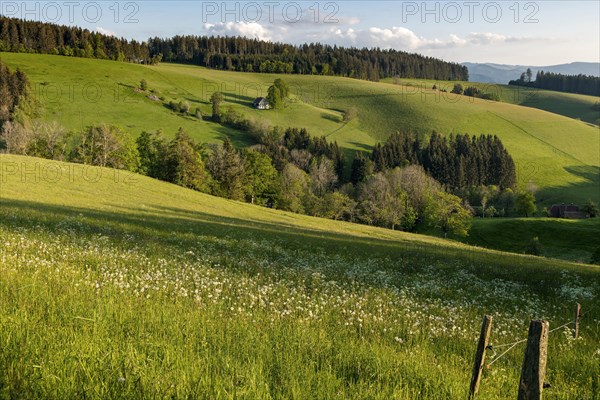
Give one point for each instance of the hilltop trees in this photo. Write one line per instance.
(226, 53)
(582, 84)
(250, 55)
(18, 35)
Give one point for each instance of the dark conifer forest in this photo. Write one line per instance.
(226, 53)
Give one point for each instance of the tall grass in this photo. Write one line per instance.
(121, 296)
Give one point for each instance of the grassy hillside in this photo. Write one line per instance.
(559, 154)
(576, 106)
(574, 240)
(116, 285)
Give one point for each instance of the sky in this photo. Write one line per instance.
(503, 32)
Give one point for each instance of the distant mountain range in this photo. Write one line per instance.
(499, 73)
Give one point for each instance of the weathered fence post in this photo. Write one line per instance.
(534, 363)
(576, 322)
(484, 337)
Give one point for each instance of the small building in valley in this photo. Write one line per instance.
(261, 104)
(568, 211)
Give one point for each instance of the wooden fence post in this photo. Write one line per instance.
(576, 322)
(534, 362)
(484, 337)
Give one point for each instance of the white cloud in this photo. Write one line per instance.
(398, 38)
(103, 31)
(248, 29)
(404, 39)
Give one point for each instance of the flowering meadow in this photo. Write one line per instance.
(133, 288)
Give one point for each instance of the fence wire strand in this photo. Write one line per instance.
(513, 345)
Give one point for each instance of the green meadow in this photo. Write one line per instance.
(574, 240)
(558, 154)
(114, 285)
(576, 106)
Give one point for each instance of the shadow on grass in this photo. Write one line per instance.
(576, 193)
(179, 230)
(330, 117)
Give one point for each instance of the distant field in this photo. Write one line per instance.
(576, 106)
(114, 285)
(558, 154)
(573, 240)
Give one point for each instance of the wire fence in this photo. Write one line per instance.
(514, 344)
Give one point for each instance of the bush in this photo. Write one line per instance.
(143, 85)
(590, 208)
(534, 247)
(458, 89)
(184, 107)
(350, 114)
(596, 257)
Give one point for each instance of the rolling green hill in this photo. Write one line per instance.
(114, 285)
(576, 106)
(558, 154)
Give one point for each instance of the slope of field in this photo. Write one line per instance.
(558, 154)
(573, 240)
(576, 106)
(114, 285)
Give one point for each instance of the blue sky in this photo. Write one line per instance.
(509, 32)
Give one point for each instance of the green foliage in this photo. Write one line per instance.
(458, 162)
(583, 84)
(261, 177)
(534, 247)
(184, 107)
(227, 170)
(278, 94)
(350, 114)
(48, 140)
(590, 208)
(409, 219)
(337, 206)
(106, 146)
(525, 203)
(362, 168)
(595, 257)
(447, 213)
(457, 89)
(152, 149)
(216, 99)
(184, 164)
(143, 85)
(294, 187)
(14, 89)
